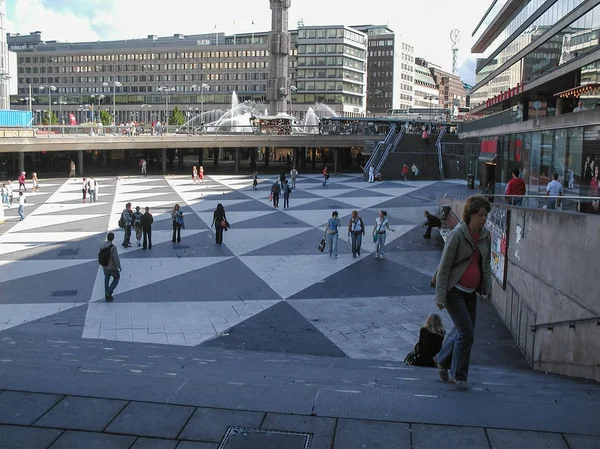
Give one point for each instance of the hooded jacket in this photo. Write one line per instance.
(114, 263)
(459, 247)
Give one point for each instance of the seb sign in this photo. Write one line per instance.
(505, 95)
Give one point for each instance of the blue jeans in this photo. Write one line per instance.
(356, 242)
(332, 242)
(5, 199)
(380, 243)
(324, 180)
(108, 286)
(22, 212)
(92, 194)
(551, 203)
(456, 350)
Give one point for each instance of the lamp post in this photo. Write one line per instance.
(99, 98)
(203, 87)
(166, 91)
(50, 90)
(115, 85)
(430, 98)
(145, 112)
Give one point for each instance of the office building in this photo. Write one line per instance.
(426, 92)
(538, 60)
(5, 74)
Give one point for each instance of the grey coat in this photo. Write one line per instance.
(114, 263)
(459, 246)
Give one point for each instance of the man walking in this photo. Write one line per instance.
(554, 189)
(127, 217)
(432, 222)
(72, 169)
(516, 186)
(371, 174)
(275, 191)
(325, 176)
(92, 189)
(143, 166)
(294, 175)
(22, 205)
(147, 220)
(111, 265)
(286, 194)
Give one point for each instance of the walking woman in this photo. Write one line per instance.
(177, 217)
(356, 230)
(201, 174)
(382, 225)
(431, 337)
(463, 271)
(332, 234)
(220, 223)
(194, 175)
(84, 188)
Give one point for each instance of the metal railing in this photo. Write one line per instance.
(388, 149)
(498, 119)
(376, 153)
(572, 323)
(438, 145)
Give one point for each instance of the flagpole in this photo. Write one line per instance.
(216, 35)
(252, 42)
(234, 32)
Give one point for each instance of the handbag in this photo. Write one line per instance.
(411, 357)
(433, 282)
(322, 244)
(223, 224)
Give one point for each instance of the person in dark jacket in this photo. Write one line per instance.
(147, 220)
(430, 342)
(112, 269)
(282, 178)
(275, 191)
(431, 222)
(220, 223)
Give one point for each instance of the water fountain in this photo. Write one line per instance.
(324, 111)
(309, 124)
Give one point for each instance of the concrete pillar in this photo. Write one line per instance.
(201, 157)
(105, 159)
(336, 160)
(303, 158)
(21, 162)
(181, 154)
(313, 157)
(279, 48)
(79, 162)
(216, 156)
(267, 156)
(559, 106)
(237, 161)
(164, 161)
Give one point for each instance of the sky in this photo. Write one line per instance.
(426, 24)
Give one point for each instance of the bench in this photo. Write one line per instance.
(449, 222)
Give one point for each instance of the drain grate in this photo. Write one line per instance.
(291, 223)
(68, 252)
(61, 293)
(251, 438)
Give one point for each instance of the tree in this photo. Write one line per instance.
(176, 118)
(105, 117)
(50, 120)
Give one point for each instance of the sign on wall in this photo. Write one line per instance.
(498, 224)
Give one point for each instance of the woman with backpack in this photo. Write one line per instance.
(220, 223)
(356, 230)
(382, 224)
(177, 217)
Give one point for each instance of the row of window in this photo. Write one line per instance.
(407, 67)
(406, 77)
(408, 48)
(331, 33)
(143, 56)
(382, 43)
(331, 73)
(381, 53)
(312, 49)
(330, 61)
(381, 74)
(406, 87)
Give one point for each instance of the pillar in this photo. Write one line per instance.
(200, 157)
(336, 160)
(104, 159)
(313, 157)
(303, 159)
(267, 156)
(80, 162)
(559, 105)
(237, 161)
(21, 162)
(253, 158)
(181, 154)
(164, 161)
(216, 156)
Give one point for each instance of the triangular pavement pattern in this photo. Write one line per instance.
(242, 241)
(13, 315)
(58, 207)
(16, 269)
(233, 217)
(138, 273)
(46, 237)
(41, 221)
(287, 276)
(318, 218)
(280, 328)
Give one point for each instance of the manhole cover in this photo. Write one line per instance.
(68, 252)
(250, 438)
(291, 223)
(60, 293)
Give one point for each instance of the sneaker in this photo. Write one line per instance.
(335, 257)
(139, 244)
(425, 236)
(108, 297)
(354, 256)
(443, 372)
(381, 256)
(460, 384)
(143, 247)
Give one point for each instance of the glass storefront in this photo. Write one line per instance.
(573, 153)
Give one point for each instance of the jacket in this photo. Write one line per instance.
(127, 217)
(433, 221)
(147, 220)
(459, 246)
(516, 186)
(114, 263)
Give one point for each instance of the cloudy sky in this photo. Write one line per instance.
(426, 23)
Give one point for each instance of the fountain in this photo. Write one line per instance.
(309, 124)
(324, 111)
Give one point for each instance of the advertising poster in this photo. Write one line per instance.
(498, 225)
(590, 170)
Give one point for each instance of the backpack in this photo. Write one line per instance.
(288, 189)
(104, 255)
(121, 222)
(276, 189)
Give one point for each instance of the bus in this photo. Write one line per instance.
(421, 114)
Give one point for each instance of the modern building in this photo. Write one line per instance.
(452, 93)
(426, 92)
(4, 60)
(538, 62)
(332, 68)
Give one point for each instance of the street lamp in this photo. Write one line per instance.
(115, 85)
(203, 87)
(430, 98)
(145, 113)
(293, 89)
(93, 97)
(166, 90)
(50, 90)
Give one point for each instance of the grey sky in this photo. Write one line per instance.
(425, 24)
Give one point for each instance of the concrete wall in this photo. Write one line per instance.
(553, 275)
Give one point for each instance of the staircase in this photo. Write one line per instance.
(438, 145)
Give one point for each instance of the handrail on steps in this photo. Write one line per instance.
(571, 323)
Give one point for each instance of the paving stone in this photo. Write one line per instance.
(583, 442)
(196, 445)
(82, 413)
(518, 439)
(154, 443)
(358, 434)
(321, 428)
(211, 424)
(265, 440)
(17, 437)
(448, 437)
(72, 439)
(152, 420)
(25, 408)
